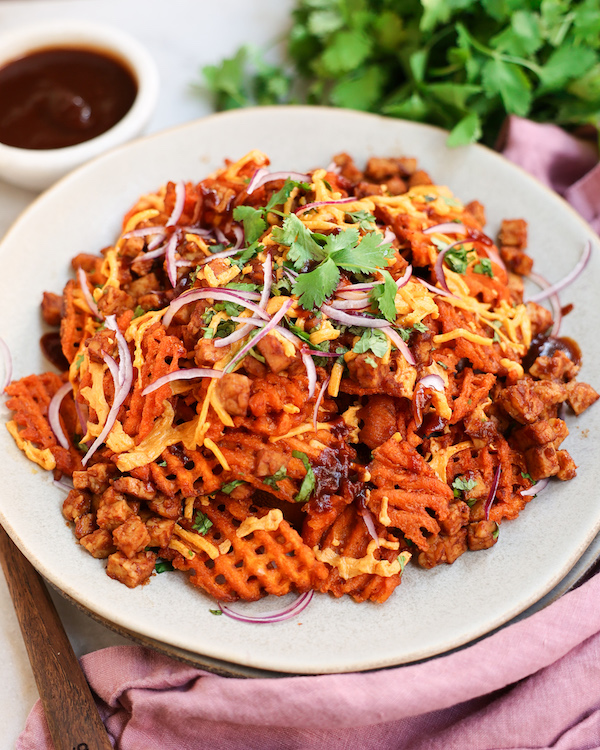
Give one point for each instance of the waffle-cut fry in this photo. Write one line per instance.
(412, 490)
(73, 322)
(349, 537)
(263, 562)
(29, 399)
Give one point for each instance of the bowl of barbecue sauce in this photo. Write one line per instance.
(68, 92)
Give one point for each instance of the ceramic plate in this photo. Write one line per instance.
(432, 611)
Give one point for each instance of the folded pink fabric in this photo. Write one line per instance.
(533, 684)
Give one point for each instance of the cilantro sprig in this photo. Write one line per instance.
(347, 250)
(463, 65)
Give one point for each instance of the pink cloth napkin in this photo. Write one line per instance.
(533, 684)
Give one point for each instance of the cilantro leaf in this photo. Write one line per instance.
(363, 218)
(372, 340)
(284, 193)
(230, 486)
(484, 267)
(253, 221)
(456, 259)
(163, 566)
(368, 255)
(201, 522)
(384, 296)
(460, 484)
(280, 474)
(315, 287)
(301, 242)
(309, 481)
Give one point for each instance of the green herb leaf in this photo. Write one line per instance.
(460, 484)
(253, 221)
(274, 478)
(163, 566)
(372, 340)
(301, 242)
(484, 266)
(201, 522)
(315, 287)
(230, 486)
(309, 481)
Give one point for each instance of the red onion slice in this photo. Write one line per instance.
(267, 329)
(187, 374)
(238, 334)
(318, 401)
(220, 254)
(91, 302)
(54, 413)
(569, 278)
(553, 299)
(439, 265)
(357, 287)
(540, 485)
(448, 227)
(369, 523)
(434, 289)
(352, 304)
(433, 381)
(170, 262)
(123, 382)
(353, 320)
(307, 361)
(316, 204)
(225, 295)
(179, 204)
(144, 232)
(270, 617)
(63, 485)
(492, 493)
(262, 176)
(267, 281)
(7, 361)
(400, 344)
(405, 278)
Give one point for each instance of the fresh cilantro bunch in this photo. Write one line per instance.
(460, 64)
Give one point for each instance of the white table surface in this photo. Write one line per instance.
(183, 36)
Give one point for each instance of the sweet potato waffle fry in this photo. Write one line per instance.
(289, 382)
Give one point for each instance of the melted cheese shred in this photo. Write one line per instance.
(350, 567)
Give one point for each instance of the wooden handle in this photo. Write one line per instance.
(72, 715)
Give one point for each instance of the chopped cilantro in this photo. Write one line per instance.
(456, 259)
(253, 221)
(138, 312)
(224, 328)
(230, 486)
(484, 267)
(363, 218)
(460, 484)
(280, 474)
(201, 522)
(309, 481)
(163, 566)
(242, 287)
(526, 475)
(405, 333)
(370, 361)
(372, 340)
(216, 612)
(496, 532)
(230, 308)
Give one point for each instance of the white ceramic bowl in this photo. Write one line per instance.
(37, 169)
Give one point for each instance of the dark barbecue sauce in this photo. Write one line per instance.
(52, 350)
(59, 97)
(545, 346)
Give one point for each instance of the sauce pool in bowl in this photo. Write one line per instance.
(59, 97)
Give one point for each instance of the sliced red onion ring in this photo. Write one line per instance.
(307, 361)
(357, 287)
(316, 204)
(434, 289)
(262, 176)
(171, 264)
(405, 278)
(399, 343)
(318, 401)
(197, 230)
(63, 485)
(7, 361)
(369, 523)
(267, 329)
(352, 304)
(568, 279)
(179, 204)
(123, 382)
(54, 413)
(220, 254)
(187, 374)
(448, 227)
(553, 299)
(194, 295)
(91, 302)
(433, 381)
(492, 493)
(269, 617)
(388, 236)
(267, 281)
(353, 320)
(540, 485)
(144, 232)
(439, 264)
